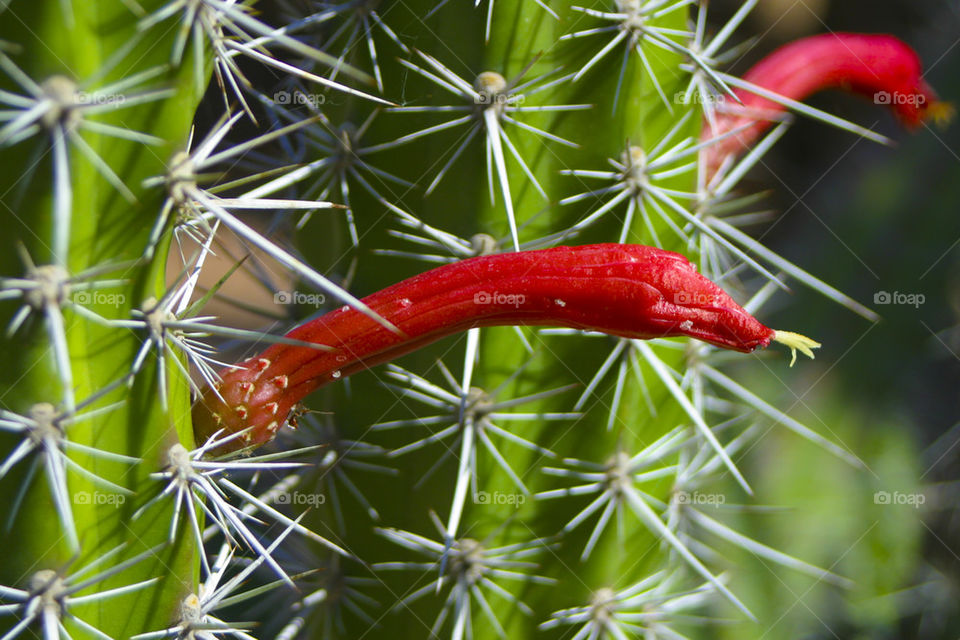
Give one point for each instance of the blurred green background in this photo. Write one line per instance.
(868, 220)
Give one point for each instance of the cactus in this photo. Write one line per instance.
(505, 483)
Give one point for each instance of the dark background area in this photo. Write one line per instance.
(868, 219)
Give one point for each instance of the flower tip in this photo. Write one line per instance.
(940, 113)
(796, 342)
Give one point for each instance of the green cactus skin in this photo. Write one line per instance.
(105, 229)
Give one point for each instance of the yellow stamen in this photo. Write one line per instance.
(796, 342)
(940, 113)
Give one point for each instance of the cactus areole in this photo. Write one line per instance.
(633, 291)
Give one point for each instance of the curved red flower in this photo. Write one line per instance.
(880, 67)
(632, 291)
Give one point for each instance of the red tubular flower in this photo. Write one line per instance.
(880, 67)
(632, 291)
